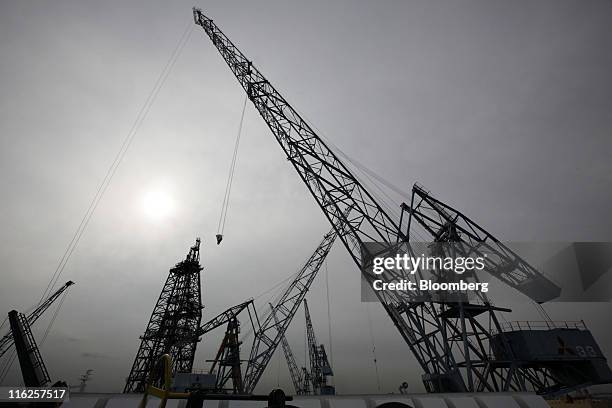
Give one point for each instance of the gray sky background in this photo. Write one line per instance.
(503, 109)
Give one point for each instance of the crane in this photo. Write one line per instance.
(83, 380)
(274, 326)
(358, 218)
(227, 363)
(33, 367)
(333, 186)
(172, 327)
(490, 354)
(319, 364)
(298, 377)
(7, 340)
(267, 334)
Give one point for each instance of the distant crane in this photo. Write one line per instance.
(270, 333)
(319, 364)
(227, 363)
(172, 326)
(7, 340)
(320, 368)
(299, 377)
(84, 380)
(274, 326)
(357, 218)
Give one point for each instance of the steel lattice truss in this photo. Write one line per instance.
(174, 323)
(315, 369)
(229, 314)
(227, 363)
(274, 326)
(446, 224)
(355, 215)
(7, 340)
(319, 364)
(297, 375)
(349, 207)
(33, 367)
(467, 338)
(450, 361)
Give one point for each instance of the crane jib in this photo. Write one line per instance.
(453, 358)
(354, 214)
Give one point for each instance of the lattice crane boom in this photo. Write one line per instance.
(319, 364)
(7, 340)
(274, 326)
(227, 363)
(329, 180)
(33, 367)
(350, 208)
(296, 374)
(227, 315)
(315, 369)
(429, 328)
(447, 224)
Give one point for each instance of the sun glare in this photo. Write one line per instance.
(157, 205)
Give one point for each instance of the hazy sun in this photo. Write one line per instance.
(157, 205)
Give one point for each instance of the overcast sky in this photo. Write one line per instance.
(501, 108)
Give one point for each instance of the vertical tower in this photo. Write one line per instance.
(174, 323)
(32, 365)
(320, 368)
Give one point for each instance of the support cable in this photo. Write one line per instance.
(372, 179)
(375, 180)
(50, 325)
(230, 178)
(9, 363)
(142, 114)
(373, 347)
(272, 299)
(329, 322)
(12, 357)
(103, 186)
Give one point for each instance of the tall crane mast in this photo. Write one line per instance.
(358, 218)
(7, 340)
(33, 367)
(319, 364)
(311, 341)
(174, 323)
(297, 375)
